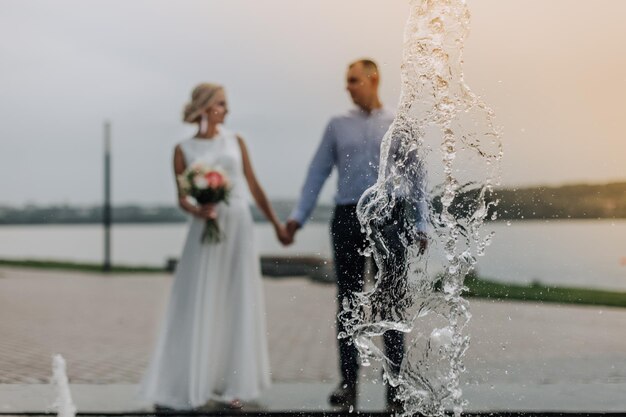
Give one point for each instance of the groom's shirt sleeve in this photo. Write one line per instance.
(319, 171)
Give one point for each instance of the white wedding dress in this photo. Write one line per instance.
(213, 344)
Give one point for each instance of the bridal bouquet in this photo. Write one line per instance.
(207, 186)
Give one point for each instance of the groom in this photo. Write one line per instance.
(351, 143)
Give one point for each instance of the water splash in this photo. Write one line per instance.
(63, 404)
(401, 215)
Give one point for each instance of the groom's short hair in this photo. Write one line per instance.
(369, 66)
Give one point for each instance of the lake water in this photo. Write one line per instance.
(583, 253)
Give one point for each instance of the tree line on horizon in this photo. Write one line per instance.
(563, 202)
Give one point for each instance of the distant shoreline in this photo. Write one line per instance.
(595, 202)
(264, 221)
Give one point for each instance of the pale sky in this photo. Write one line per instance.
(554, 72)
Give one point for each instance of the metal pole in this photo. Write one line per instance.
(106, 214)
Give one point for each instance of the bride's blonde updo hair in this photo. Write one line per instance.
(202, 97)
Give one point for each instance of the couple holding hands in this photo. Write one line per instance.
(213, 341)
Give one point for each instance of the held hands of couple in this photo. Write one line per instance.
(287, 232)
(283, 234)
(292, 228)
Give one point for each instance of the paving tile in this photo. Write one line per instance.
(105, 327)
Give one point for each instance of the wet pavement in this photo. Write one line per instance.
(523, 356)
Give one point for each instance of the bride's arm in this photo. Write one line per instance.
(259, 195)
(205, 212)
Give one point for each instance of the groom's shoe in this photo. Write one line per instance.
(344, 395)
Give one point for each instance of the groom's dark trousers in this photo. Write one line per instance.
(348, 240)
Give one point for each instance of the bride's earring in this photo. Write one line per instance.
(204, 123)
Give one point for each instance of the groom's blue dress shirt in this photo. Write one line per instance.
(351, 143)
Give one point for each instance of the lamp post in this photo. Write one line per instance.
(106, 213)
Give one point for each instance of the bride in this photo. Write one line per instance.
(212, 344)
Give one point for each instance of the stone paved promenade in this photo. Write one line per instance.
(105, 327)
